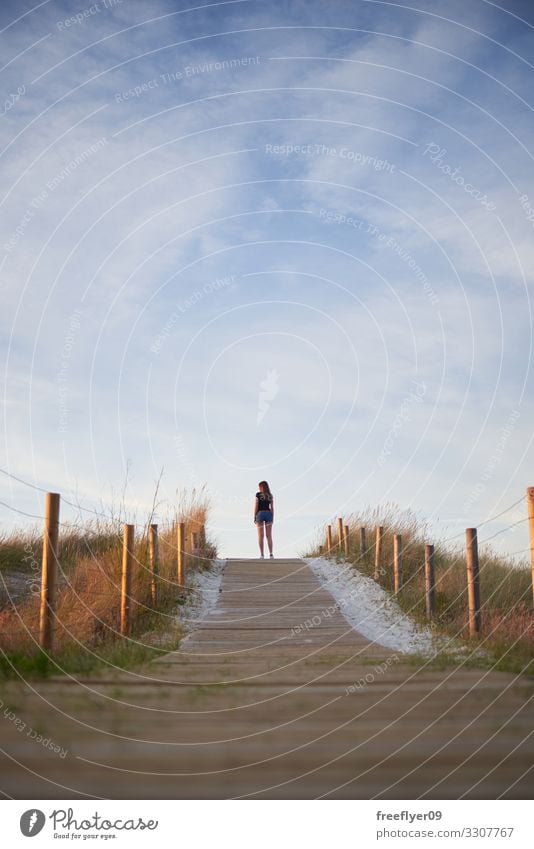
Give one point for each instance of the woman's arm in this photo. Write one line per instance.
(272, 506)
(256, 505)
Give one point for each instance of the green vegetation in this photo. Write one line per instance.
(87, 635)
(506, 640)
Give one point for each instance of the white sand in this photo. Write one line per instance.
(205, 585)
(371, 610)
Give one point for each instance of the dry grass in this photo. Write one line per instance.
(507, 631)
(88, 599)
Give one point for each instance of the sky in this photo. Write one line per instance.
(289, 241)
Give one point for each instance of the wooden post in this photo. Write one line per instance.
(153, 556)
(430, 582)
(339, 533)
(126, 586)
(328, 540)
(530, 502)
(49, 569)
(378, 551)
(202, 539)
(397, 562)
(346, 540)
(180, 543)
(473, 581)
(363, 547)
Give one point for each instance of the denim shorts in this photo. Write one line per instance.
(264, 516)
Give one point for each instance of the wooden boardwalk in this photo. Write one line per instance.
(273, 696)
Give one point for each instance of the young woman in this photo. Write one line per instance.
(264, 516)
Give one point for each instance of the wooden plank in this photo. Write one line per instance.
(274, 695)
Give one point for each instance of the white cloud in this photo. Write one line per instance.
(172, 199)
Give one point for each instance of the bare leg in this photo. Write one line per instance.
(260, 536)
(269, 533)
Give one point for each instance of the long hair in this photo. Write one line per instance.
(266, 485)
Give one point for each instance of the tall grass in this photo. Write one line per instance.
(507, 620)
(88, 598)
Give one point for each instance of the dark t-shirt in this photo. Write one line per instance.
(264, 501)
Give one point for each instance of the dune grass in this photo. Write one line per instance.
(507, 617)
(88, 598)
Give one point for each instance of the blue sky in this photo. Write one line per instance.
(290, 241)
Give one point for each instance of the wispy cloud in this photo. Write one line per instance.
(149, 151)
